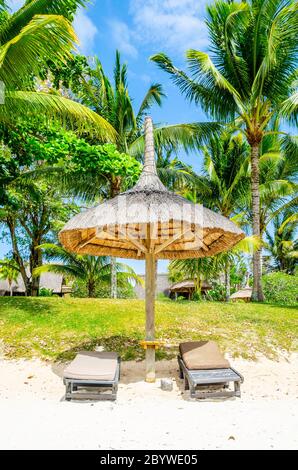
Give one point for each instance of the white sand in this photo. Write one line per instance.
(34, 414)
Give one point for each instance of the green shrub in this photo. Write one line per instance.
(217, 293)
(44, 292)
(103, 290)
(280, 288)
(162, 297)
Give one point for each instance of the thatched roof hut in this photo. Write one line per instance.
(242, 294)
(51, 281)
(149, 222)
(187, 288)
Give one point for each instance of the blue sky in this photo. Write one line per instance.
(138, 29)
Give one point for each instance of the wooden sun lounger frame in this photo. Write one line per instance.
(195, 378)
(72, 386)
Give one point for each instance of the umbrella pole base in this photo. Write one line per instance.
(150, 365)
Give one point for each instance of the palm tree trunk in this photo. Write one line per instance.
(198, 286)
(35, 262)
(91, 288)
(228, 281)
(10, 288)
(16, 252)
(115, 190)
(257, 292)
(113, 278)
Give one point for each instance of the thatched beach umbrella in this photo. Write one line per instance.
(149, 222)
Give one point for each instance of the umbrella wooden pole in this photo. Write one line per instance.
(150, 313)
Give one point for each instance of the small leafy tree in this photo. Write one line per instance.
(9, 271)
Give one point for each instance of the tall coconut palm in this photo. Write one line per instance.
(250, 74)
(224, 184)
(90, 269)
(38, 32)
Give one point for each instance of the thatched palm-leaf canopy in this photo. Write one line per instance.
(149, 218)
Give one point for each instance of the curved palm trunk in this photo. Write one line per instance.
(115, 190)
(257, 292)
(10, 288)
(35, 261)
(16, 252)
(91, 288)
(113, 278)
(228, 281)
(198, 286)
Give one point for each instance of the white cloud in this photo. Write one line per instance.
(175, 25)
(122, 38)
(86, 31)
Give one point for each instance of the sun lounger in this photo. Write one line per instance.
(89, 369)
(203, 366)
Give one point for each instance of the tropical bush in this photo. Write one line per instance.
(44, 292)
(103, 290)
(217, 293)
(281, 288)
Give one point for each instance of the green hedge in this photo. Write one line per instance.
(281, 288)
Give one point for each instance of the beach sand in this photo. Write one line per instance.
(34, 414)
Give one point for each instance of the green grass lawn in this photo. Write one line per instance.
(55, 328)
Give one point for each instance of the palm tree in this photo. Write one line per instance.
(175, 174)
(223, 185)
(250, 75)
(282, 243)
(90, 269)
(9, 271)
(38, 32)
(278, 177)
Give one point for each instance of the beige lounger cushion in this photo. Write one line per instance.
(89, 365)
(202, 355)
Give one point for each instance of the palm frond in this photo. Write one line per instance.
(248, 245)
(187, 136)
(153, 95)
(219, 104)
(66, 270)
(279, 188)
(56, 107)
(31, 8)
(292, 219)
(271, 157)
(204, 69)
(44, 37)
(3, 6)
(289, 108)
